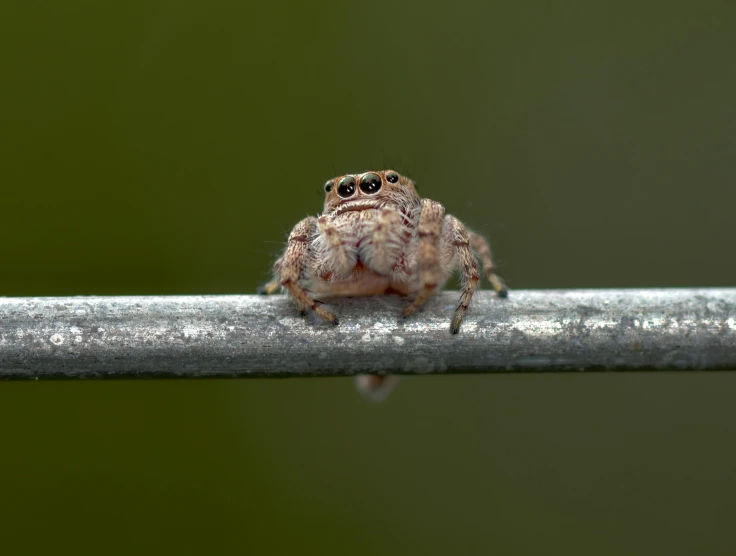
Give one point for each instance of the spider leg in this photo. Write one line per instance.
(269, 288)
(459, 238)
(294, 264)
(429, 231)
(274, 286)
(479, 244)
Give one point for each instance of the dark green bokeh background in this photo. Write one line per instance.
(168, 147)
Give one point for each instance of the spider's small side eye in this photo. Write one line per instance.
(329, 185)
(370, 183)
(392, 177)
(346, 187)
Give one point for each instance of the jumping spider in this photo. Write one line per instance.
(378, 236)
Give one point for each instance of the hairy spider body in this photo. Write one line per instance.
(378, 236)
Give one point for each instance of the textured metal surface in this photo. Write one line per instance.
(206, 336)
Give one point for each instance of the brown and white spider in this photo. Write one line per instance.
(378, 236)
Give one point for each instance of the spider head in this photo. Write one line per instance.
(369, 190)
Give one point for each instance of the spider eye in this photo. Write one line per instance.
(370, 183)
(329, 185)
(392, 177)
(346, 187)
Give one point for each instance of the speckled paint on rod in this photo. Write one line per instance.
(210, 336)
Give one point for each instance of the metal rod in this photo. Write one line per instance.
(255, 336)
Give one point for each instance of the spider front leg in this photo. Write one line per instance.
(293, 265)
(428, 252)
(457, 238)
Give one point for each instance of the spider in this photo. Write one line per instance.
(378, 236)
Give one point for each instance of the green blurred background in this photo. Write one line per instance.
(159, 147)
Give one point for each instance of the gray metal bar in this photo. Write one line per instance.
(245, 335)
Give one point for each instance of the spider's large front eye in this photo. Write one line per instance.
(392, 177)
(370, 183)
(346, 187)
